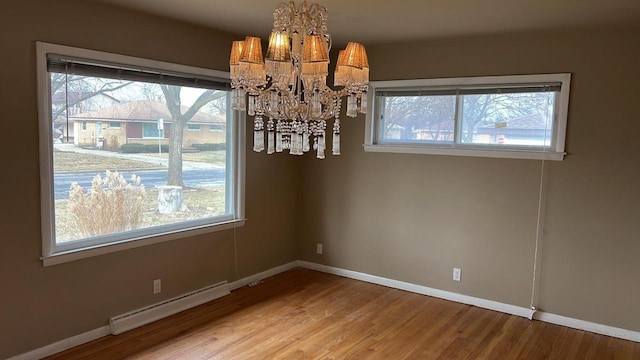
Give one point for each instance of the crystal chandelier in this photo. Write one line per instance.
(290, 89)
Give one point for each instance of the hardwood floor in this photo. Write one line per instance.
(303, 314)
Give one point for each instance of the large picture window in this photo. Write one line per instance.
(504, 116)
(106, 188)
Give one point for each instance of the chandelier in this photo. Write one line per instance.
(289, 87)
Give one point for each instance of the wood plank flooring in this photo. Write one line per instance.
(304, 314)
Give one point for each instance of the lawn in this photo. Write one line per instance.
(218, 157)
(64, 161)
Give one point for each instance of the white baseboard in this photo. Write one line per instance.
(588, 326)
(64, 344)
(262, 275)
(148, 314)
(483, 303)
(419, 289)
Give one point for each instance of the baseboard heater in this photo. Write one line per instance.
(151, 313)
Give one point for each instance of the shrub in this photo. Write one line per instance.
(112, 144)
(142, 148)
(210, 146)
(112, 205)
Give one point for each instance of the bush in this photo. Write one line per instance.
(210, 147)
(142, 148)
(112, 205)
(112, 144)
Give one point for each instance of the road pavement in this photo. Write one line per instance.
(194, 174)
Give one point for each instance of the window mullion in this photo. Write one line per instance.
(457, 120)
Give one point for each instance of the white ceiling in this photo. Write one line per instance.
(380, 21)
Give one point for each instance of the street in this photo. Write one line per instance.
(201, 178)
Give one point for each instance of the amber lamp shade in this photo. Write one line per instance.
(252, 51)
(354, 55)
(279, 47)
(236, 50)
(315, 49)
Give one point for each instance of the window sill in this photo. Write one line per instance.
(497, 153)
(72, 255)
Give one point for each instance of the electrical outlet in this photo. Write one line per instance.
(319, 248)
(157, 286)
(457, 274)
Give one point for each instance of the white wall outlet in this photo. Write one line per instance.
(319, 248)
(157, 286)
(457, 274)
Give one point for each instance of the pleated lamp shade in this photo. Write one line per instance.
(354, 55)
(315, 57)
(251, 61)
(279, 48)
(315, 49)
(352, 66)
(236, 50)
(252, 51)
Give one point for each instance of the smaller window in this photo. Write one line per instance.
(217, 127)
(193, 127)
(84, 125)
(114, 124)
(502, 116)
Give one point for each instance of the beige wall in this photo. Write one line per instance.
(38, 305)
(407, 217)
(415, 217)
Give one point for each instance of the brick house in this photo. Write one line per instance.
(137, 122)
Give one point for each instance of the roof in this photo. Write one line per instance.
(144, 111)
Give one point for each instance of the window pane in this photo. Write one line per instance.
(150, 130)
(123, 163)
(519, 119)
(417, 119)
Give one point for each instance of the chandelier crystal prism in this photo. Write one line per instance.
(288, 87)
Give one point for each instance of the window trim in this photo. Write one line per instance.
(555, 152)
(236, 160)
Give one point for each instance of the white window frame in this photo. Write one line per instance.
(52, 254)
(192, 127)
(555, 152)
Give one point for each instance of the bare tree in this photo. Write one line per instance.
(435, 114)
(76, 89)
(409, 114)
(178, 122)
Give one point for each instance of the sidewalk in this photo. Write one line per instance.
(186, 165)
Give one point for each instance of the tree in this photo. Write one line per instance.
(435, 114)
(431, 114)
(76, 89)
(178, 122)
(491, 108)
